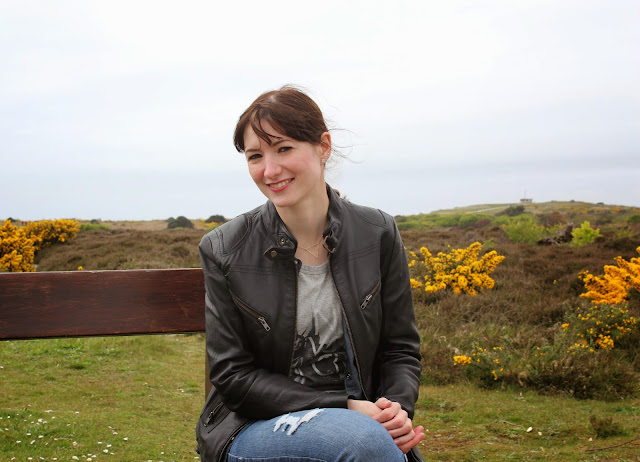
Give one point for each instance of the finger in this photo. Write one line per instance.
(400, 431)
(383, 403)
(419, 436)
(398, 421)
(389, 413)
(404, 439)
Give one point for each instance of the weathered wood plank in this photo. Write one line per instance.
(90, 303)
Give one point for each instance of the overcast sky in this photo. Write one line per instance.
(126, 109)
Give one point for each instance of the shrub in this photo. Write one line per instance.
(512, 211)
(458, 271)
(597, 327)
(584, 235)
(552, 219)
(524, 230)
(19, 245)
(215, 219)
(625, 233)
(474, 219)
(16, 249)
(635, 218)
(605, 426)
(613, 287)
(43, 233)
(180, 222)
(92, 226)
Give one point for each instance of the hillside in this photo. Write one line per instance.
(545, 207)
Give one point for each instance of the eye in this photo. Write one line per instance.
(284, 148)
(253, 157)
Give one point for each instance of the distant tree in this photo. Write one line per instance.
(216, 219)
(180, 222)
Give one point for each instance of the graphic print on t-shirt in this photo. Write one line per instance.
(319, 355)
(317, 364)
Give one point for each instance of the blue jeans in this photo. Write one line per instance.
(318, 435)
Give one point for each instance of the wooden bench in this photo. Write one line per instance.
(102, 303)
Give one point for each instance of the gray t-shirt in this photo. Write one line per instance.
(319, 352)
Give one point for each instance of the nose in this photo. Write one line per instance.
(272, 167)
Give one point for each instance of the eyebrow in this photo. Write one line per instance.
(275, 143)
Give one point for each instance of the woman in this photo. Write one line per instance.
(311, 332)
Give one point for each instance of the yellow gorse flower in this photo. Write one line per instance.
(19, 245)
(461, 360)
(612, 288)
(459, 270)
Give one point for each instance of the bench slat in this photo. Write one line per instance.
(90, 303)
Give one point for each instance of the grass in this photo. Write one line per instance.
(129, 398)
(138, 398)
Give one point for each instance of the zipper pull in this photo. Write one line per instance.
(206, 422)
(263, 321)
(366, 301)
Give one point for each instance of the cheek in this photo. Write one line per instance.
(256, 173)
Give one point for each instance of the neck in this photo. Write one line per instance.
(306, 221)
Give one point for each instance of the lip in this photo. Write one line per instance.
(280, 185)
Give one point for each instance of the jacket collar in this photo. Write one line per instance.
(283, 245)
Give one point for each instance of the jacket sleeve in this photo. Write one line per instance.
(399, 349)
(249, 390)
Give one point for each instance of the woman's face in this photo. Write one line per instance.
(288, 172)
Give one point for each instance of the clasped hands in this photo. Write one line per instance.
(393, 418)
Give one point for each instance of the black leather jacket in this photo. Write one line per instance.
(251, 281)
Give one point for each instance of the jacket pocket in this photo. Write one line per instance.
(372, 293)
(214, 411)
(213, 446)
(251, 312)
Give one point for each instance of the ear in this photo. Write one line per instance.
(325, 145)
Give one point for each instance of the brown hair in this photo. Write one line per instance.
(288, 110)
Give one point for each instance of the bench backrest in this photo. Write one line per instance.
(99, 303)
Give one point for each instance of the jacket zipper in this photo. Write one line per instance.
(346, 319)
(368, 298)
(295, 320)
(258, 317)
(212, 414)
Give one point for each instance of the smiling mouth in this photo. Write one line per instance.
(280, 185)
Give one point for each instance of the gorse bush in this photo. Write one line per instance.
(577, 358)
(613, 287)
(19, 245)
(591, 353)
(459, 270)
(597, 327)
(17, 251)
(43, 233)
(584, 235)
